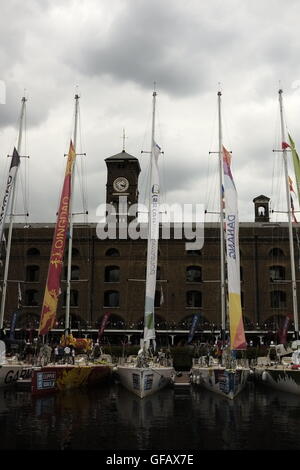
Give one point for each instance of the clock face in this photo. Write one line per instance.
(121, 184)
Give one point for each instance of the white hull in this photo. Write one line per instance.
(10, 373)
(283, 379)
(226, 382)
(145, 381)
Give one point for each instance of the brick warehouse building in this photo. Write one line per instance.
(107, 275)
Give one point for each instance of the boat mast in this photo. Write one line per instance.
(152, 135)
(152, 244)
(288, 198)
(222, 254)
(69, 267)
(9, 237)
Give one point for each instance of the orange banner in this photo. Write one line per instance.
(52, 291)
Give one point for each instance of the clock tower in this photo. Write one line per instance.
(122, 179)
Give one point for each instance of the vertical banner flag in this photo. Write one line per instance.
(152, 248)
(162, 297)
(52, 291)
(13, 324)
(15, 162)
(194, 324)
(292, 200)
(237, 333)
(103, 324)
(296, 163)
(19, 295)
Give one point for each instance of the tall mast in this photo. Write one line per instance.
(153, 235)
(222, 257)
(9, 237)
(288, 199)
(69, 270)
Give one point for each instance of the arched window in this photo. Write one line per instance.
(112, 252)
(193, 274)
(31, 297)
(112, 274)
(32, 273)
(75, 273)
(276, 252)
(111, 298)
(74, 298)
(277, 273)
(33, 252)
(193, 298)
(278, 299)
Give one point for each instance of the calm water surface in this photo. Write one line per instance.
(111, 418)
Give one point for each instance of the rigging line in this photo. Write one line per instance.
(6, 165)
(145, 186)
(23, 168)
(160, 141)
(208, 167)
(145, 164)
(83, 171)
(81, 189)
(129, 314)
(226, 127)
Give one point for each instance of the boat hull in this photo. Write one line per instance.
(145, 381)
(226, 382)
(66, 377)
(285, 380)
(11, 373)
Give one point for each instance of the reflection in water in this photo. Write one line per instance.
(111, 418)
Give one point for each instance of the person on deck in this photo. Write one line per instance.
(67, 352)
(73, 355)
(56, 354)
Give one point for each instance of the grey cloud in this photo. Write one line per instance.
(152, 41)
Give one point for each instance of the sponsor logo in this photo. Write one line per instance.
(14, 375)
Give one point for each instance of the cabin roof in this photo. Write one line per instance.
(122, 156)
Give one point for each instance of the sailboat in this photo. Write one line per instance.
(64, 376)
(10, 369)
(146, 374)
(284, 373)
(227, 376)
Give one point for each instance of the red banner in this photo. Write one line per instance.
(103, 324)
(52, 291)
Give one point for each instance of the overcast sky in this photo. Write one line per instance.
(111, 52)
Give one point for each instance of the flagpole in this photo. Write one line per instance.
(149, 242)
(223, 304)
(9, 237)
(294, 285)
(69, 267)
